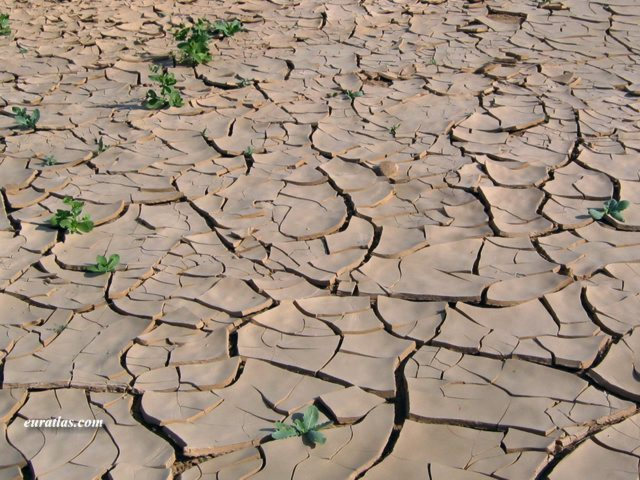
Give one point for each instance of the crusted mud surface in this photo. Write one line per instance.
(417, 261)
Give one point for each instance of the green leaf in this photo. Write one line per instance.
(175, 100)
(154, 102)
(101, 260)
(610, 204)
(623, 205)
(310, 418)
(299, 425)
(94, 269)
(85, 226)
(284, 431)
(617, 215)
(596, 213)
(114, 260)
(322, 425)
(316, 437)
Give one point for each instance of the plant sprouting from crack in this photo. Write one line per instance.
(225, 28)
(72, 220)
(25, 119)
(306, 427)
(611, 207)
(49, 161)
(353, 94)
(244, 82)
(393, 129)
(101, 146)
(5, 26)
(248, 151)
(104, 265)
(193, 42)
(169, 95)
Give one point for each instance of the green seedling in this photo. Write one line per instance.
(353, 95)
(248, 151)
(226, 29)
(194, 42)
(612, 207)
(101, 146)
(103, 265)
(58, 329)
(244, 82)
(394, 129)
(49, 160)
(433, 61)
(169, 95)
(72, 220)
(307, 427)
(24, 119)
(5, 27)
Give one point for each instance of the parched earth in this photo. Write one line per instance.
(417, 261)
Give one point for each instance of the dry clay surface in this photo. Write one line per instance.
(417, 261)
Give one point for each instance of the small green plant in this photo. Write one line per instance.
(353, 95)
(5, 27)
(433, 61)
(169, 95)
(24, 119)
(101, 146)
(72, 220)
(307, 427)
(58, 329)
(49, 160)
(244, 82)
(104, 265)
(248, 151)
(612, 207)
(194, 42)
(393, 129)
(225, 28)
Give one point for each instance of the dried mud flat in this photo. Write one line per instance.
(417, 261)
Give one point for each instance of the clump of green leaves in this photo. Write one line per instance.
(193, 42)
(169, 95)
(248, 151)
(393, 129)
(307, 427)
(24, 119)
(104, 265)
(72, 220)
(5, 27)
(49, 160)
(612, 207)
(353, 95)
(225, 28)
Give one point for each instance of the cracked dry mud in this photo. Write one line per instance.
(417, 261)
